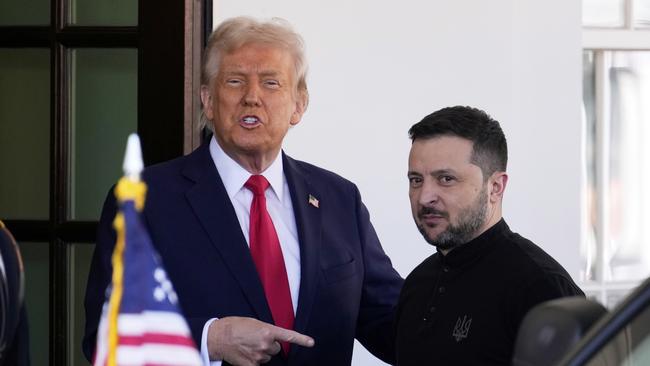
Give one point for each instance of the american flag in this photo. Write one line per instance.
(313, 201)
(141, 323)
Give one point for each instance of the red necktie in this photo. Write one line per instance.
(267, 256)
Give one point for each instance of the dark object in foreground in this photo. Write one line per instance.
(552, 334)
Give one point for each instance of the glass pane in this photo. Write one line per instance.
(642, 13)
(614, 297)
(80, 256)
(588, 249)
(104, 12)
(24, 12)
(628, 247)
(629, 347)
(603, 13)
(24, 133)
(103, 111)
(36, 259)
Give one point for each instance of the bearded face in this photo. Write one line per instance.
(465, 227)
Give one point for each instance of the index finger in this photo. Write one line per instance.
(286, 335)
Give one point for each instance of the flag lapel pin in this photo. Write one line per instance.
(313, 201)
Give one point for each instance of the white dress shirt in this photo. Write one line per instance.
(279, 206)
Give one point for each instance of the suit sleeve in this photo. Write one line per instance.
(380, 292)
(100, 274)
(17, 352)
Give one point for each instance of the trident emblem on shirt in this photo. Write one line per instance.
(461, 330)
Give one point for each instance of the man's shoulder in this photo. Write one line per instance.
(164, 168)
(533, 263)
(516, 250)
(175, 167)
(523, 251)
(315, 173)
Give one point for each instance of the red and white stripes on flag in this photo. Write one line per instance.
(141, 323)
(150, 338)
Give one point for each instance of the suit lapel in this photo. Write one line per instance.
(211, 204)
(308, 222)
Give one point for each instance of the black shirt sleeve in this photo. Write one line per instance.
(541, 289)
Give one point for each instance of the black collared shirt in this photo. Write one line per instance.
(465, 308)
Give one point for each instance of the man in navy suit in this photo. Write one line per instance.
(334, 282)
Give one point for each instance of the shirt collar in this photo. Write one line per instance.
(476, 247)
(234, 176)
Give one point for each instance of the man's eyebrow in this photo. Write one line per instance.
(443, 171)
(240, 72)
(233, 71)
(269, 71)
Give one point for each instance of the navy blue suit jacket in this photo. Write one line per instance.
(348, 286)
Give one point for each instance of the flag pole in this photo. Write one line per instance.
(128, 187)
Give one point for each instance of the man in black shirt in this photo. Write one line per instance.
(463, 305)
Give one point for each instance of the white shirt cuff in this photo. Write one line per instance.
(205, 355)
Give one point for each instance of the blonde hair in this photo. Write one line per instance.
(236, 32)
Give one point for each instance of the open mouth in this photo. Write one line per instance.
(249, 121)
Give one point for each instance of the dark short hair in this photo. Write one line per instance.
(489, 149)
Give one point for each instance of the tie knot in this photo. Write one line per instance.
(257, 184)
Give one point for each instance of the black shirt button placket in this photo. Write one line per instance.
(428, 317)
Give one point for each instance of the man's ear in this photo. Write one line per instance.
(301, 106)
(206, 100)
(497, 185)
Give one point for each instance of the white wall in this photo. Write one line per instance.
(378, 67)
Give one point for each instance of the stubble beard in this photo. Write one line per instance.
(470, 221)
